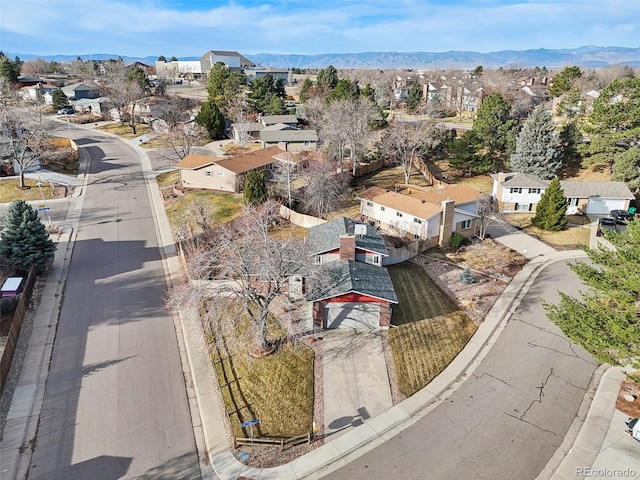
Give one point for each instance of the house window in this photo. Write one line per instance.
(317, 260)
(376, 259)
(573, 202)
(523, 207)
(207, 173)
(382, 209)
(369, 204)
(307, 143)
(417, 220)
(534, 190)
(465, 224)
(398, 214)
(515, 190)
(221, 174)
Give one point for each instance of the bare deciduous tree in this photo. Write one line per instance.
(358, 128)
(253, 266)
(487, 209)
(402, 141)
(334, 133)
(324, 187)
(123, 93)
(25, 135)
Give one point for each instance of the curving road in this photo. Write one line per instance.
(508, 419)
(115, 404)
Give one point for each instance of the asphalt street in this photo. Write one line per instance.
(508, 419)
(115, 404)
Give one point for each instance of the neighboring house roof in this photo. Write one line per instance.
(194, 162)
(460, 194)
(238, 164)
(579, 189)
(357, 277)
(248, 126)
(402, 203)
(278, 126)
(525, 180)
(571, 188)
(271, 119)
(288, 136)
(326, 237)
(78, 87)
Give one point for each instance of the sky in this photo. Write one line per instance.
(190, 28)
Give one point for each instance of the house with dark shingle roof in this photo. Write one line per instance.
(225, 173)
(358, 291)
(291, 140)
(521, 192)
(427, 215)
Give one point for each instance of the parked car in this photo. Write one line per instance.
(66, 111)
(633, 428)
(606, 224)
(621, 215)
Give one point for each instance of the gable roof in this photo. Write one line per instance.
(77, 87)
(523, 180)
(278, 126)
(578, 189)
(326, 237)
(460, 194)
(288, 135)
(357, 277)
(193, 162)
(248, 126)
(271, 119)
(402, 203)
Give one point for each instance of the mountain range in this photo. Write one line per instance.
(586, 57)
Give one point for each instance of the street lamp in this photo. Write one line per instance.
(44, 207)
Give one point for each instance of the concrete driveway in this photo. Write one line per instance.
(511, 237)
(355, 379)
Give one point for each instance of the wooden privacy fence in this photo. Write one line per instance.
(16, 324)
(266, 441)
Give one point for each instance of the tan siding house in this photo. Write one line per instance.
(225, 173)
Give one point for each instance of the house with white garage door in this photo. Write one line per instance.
(521, 192)
(357, 291)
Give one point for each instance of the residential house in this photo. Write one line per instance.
(288, 139)
(358, 291)
(95, 106)
(233, 60)
(246, 131)
(225, 173)
(152, 107)
(37, 93)
(289, 120)
(521, 192)
(77, 91)
(430, 215)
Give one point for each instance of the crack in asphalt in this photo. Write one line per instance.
(492, 376)
(540, 393)
(569, 344)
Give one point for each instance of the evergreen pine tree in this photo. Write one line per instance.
(24, 240)
(537, 149)
(414, 97)
(255, 190)
(60, 100)
(605, 321)
(212, 119)
(551, 209)
(467, 277)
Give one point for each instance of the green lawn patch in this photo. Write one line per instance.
(418, 295)
(421, 350)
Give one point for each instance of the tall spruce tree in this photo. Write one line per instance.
(537, 146)
(606, 320)
(414, 97)
(24, 240)
(551, 209)
(212, 119)
(255, 190)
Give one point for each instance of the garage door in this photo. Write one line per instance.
(602, 206)
(352, 315)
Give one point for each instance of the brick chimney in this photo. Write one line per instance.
(446, 227)
(347, 247)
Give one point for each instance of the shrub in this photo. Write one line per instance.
(456, 240)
